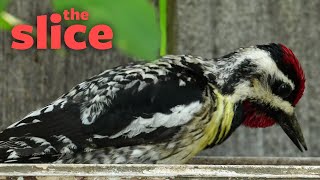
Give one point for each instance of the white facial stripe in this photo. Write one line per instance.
(272, 100)
(258, 92)
(265, 64)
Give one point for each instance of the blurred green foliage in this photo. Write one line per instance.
(3, 24)
(3, 4)
(163, 26)
(134, 23)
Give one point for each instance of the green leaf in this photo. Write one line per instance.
(7, 21)
(3, 4)
(4, 25)
(136, 31)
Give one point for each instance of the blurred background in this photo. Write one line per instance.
(146, 29)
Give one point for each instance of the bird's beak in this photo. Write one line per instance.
(291, 127)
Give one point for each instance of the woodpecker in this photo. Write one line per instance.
(163, 112)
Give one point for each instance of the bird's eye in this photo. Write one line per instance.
(284, 90)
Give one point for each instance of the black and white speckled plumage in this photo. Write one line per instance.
(94, 114)
(162, 112)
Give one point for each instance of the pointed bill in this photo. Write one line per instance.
(291, 127)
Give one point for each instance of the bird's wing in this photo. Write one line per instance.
(125, 106)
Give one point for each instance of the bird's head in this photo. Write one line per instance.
(268, 81)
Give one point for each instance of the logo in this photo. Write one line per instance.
(99, 36)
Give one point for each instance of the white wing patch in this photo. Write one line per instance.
(181, 114)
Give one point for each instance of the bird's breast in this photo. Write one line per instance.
(209, 126)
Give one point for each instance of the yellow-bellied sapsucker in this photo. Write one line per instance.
(162, 112)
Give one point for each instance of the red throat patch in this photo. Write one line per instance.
(255, 118)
